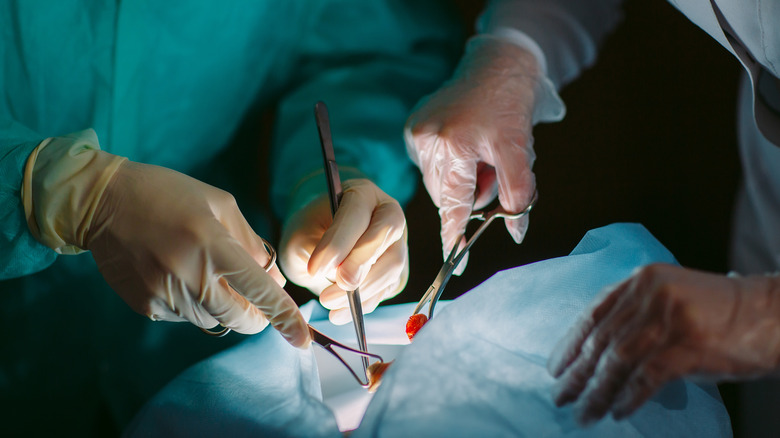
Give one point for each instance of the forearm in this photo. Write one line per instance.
(20, 252)
(759, 312)
(567, 32)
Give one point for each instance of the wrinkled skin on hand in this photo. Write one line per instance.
(663, 323)
(472, 139)
(364, 246)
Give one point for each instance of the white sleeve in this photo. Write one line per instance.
(563, 34)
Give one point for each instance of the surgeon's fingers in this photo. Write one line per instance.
(333, 297)
(352, 220)
(239, 228)
(387, 227)
(592, 354)
(390, 273)
(516, 181)
(487, 185)
(611, 350)
(229, 308)
(258, 287)
(370, 304)
(218, 287)
(570, 346)
(343, 315)
(616, 366)
(645, 382)
(388, 277)
(596, 399)
(641, 387)
(197, 290)
(455, 206)
(177, 301)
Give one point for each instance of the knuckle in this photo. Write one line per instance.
(226, 199)
(596, 343)
(350, 277)
(416, 129)
(394, 223)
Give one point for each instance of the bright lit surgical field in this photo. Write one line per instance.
(645, 139)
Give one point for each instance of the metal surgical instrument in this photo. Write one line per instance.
(335, 192)
(437, 287)
(327, 343)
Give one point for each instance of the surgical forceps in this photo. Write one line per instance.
(318, 337)
(334, 190)
(437, 287)
(328, 344)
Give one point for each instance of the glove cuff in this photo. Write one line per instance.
(549, 106)
(64, 179)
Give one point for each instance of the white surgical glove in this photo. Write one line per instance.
(663, 323)
(364, 247)
(173, 248)
(472, 138)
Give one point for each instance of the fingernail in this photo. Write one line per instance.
(324, 268)
(462, 265)
(305, 343)
(334, 301)
(340, 316)
(298, 337)
(517, 235)
(555, 363)
(621, 408)
(562, 395)
(584, 416)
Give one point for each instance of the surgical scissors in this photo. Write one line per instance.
(334, 190)
(437, 287)
(327, 343)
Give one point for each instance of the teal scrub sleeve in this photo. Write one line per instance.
(20, 252)
(568, 32)
(369, 73)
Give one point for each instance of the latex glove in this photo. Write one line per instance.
(173, 248)
(472, 138)
(364, 246)
(663, 323)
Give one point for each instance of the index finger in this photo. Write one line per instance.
(569, 347)
(351, 221)
(516, 180)
(250, 280)
(456, 199)
(238, 227)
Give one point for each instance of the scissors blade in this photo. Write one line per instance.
(437, 287)
(335, 192)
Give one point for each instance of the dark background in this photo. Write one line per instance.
(649, 137)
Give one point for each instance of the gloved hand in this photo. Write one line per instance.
(663, 323)
(363, 246)
(172, 247)
(472, 138)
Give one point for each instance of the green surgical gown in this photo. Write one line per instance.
(179, 84)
